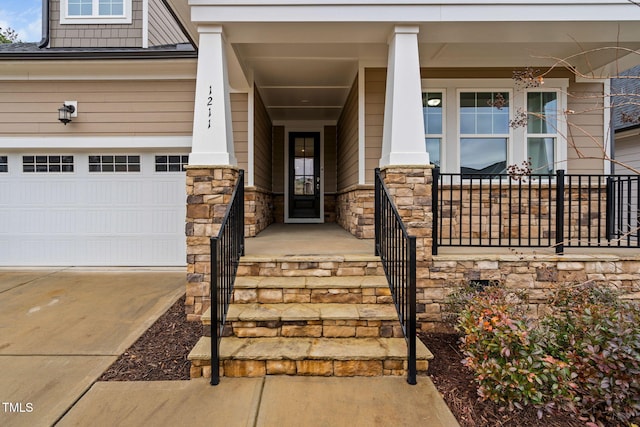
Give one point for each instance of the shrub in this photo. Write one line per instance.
(584, 356)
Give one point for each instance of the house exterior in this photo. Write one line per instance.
(308, 98)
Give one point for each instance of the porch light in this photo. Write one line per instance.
(67, 111)
(433, 102)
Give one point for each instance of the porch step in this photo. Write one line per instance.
(301, 289)
(309, 320)
(342, 357)
(310, 265)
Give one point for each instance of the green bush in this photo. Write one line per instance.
(583, 357)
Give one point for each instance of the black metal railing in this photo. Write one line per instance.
(557, 210)
(397, 250)
(226, 249)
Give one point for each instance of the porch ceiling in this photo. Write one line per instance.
(304, 56)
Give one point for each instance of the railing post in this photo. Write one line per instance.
(559, 211)
(241, 220)
(215, 356)
(610, 219)
(435, 206)
(411, 327)
(377, 214)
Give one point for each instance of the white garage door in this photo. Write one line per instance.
(92, 209)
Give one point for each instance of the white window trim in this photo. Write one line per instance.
(66, 19)
(443, 135)
(517, 145)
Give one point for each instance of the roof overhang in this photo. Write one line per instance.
(304, 55)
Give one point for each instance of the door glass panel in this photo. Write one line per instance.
(303, 164)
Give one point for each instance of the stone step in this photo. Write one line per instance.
(300, 289)
(310, 265)
(309, 320)
(341, 357)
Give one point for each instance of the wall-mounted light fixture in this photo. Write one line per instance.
(68, 110)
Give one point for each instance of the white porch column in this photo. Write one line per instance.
(403, 133)
(212, 129)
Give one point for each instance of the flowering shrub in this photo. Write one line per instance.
(583, 357)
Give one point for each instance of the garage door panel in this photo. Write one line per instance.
(93, 219)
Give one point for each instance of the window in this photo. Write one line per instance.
(484, 132)
(4, 164)
(171, 163)
(542, 130)
(114, 163)
(96, 12)
(432, 110)
(46, 164)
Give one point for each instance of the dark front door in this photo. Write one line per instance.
(304, 175)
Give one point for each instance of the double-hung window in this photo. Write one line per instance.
(483, 126)
(95, 12)
(484, 131)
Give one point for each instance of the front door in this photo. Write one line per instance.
(304, 175)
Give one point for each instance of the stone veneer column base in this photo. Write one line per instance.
(410, 187)
(209, 190)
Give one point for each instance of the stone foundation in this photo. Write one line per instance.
(209, 192)
(258, 210)
(355, 211)
(538, 275)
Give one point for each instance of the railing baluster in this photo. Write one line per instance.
(226, 248)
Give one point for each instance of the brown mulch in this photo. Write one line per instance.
(160, 354)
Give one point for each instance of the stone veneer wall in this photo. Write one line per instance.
(355, 211)
(258, 210)
(539, 275)
(209, 192)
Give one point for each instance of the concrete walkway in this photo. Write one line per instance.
(61, 328)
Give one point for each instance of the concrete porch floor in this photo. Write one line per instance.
(307, 239)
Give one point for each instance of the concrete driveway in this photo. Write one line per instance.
(61, 328)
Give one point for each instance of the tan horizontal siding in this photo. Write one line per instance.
(375, 86)
(105, 108)
(278, 159)
(330, 159)
(240, 115)
(347, 144)
(585, 133)
(262, 153)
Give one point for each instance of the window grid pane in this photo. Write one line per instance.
(4, 164)
(47, 164)
(114, 163)
(171, 162)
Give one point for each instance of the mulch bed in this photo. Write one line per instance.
(160, 354)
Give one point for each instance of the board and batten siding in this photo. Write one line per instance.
(627, 152)
(347, 145)
(96, 35)
(240, 118)
(105, 108)
(163, 29)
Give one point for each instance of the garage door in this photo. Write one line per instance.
(92, 209)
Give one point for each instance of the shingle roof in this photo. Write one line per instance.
(32, 51)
